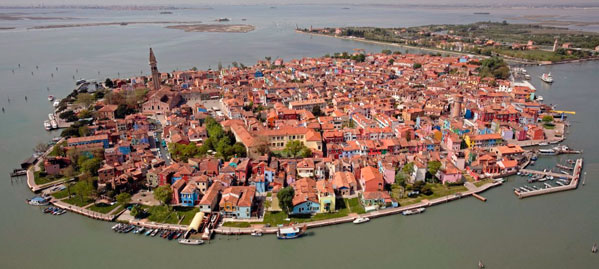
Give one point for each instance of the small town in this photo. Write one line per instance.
(283, 146)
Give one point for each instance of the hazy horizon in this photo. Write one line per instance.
(287, 2)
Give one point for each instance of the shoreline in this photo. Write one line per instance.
(507, 58)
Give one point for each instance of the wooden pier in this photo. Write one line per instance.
(479, 197)
(543, 173)
(575, 177)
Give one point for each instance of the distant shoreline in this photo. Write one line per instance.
(124, 23)
(507, 58)
(213, 28)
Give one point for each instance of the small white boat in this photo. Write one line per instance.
(547, 78)
(359, 220)
(50, 98)
(540, 98)
(47, 125)
(413, 211)
(53, 124)
(56, 103)
(256, 233)
(543, 144)
(191, 241)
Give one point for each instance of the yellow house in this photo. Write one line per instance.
(326, 196)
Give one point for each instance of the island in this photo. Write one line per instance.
(297, 144)
(225, 28)
(528, 43)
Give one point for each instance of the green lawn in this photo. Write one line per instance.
(237, 224)
(164, 214)
(439, 190)
(39, 179)
(103, 208)
(483, 182)
(76, 201)
(276, 218)
(61, 194)
(354, 205)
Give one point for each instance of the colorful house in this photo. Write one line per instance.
(326, 196)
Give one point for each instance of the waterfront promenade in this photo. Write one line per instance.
(374, 214)
(86, 212)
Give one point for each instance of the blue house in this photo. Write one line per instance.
(259, 182)
(305, 207)
(189, 195)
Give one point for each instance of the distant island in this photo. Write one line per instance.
(226, 28)
(54, 26)
(524, 42)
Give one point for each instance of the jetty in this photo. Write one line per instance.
(548, 173)
(575, 177)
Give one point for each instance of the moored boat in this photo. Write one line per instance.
(50, 98)
(256, 233)
(291, 232)
(191, 241)
(413, 211)
(47, 125)
(547, 78)
(38, 200)
(359, 220)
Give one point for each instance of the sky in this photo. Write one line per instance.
(270, 2)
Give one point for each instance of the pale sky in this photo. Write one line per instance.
(274, 2)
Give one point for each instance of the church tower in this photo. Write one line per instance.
(155, 73)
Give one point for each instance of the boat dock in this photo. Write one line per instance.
(575, 177)
(543, 173)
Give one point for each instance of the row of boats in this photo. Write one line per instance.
(50, 123)
(561, 149)
(54, 210)
(157, 232)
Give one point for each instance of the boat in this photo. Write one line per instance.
(480, 265)
(540, 98)
(191, 242)
(594, 249)
(256, 233)
(155, 232)
(222, 19)
(547, 152)
(56, 103)
(149, 232)
(543, 144)
(413, 211)
(50, 98)
(359, 220)
(38, 200)
(291, 232)
(482, 13)
(47, 125)
(18, 172)
(53, 124)
(547, 78)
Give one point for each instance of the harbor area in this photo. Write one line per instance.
(561, 181)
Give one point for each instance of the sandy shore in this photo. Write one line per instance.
(222, 28)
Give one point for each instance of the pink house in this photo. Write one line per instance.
(449, 174)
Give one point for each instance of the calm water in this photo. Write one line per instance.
(554, 231)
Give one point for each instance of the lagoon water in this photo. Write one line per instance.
(552, 231)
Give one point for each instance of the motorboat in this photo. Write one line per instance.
(547, 78)
(50, 98)
(413, 211)
(38, 200)
(56, 103)
(47, 125)
(291, 232)
(359, 220)
(256, 233)
(191, 241)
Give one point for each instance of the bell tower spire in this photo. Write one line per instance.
(155, 73)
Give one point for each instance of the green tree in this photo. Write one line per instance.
(293, 148)
(417, 65)
(137, 212)
(85, 99)
(91, 166)
(83, 189)
(386, 52)
(123, 198)
(108, 83)
(433, 167)
(408, 169)
(285, 197)
(163, 194)
(400, 178)
(547, 118)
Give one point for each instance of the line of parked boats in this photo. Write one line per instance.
(163, 233)
(54, 210)
(413, 211)
(50, 123)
